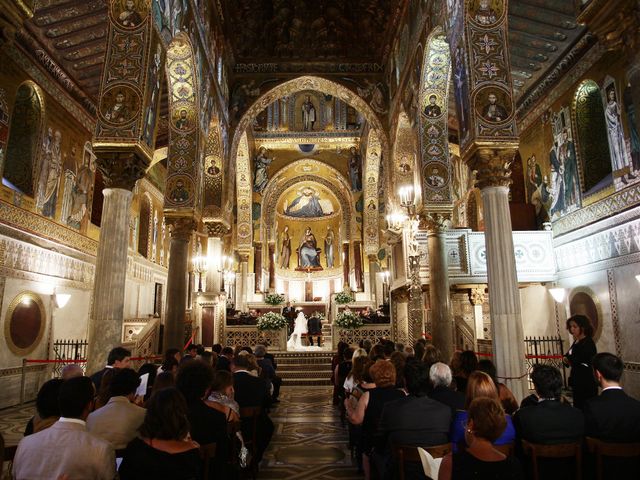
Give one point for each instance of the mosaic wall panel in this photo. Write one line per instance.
(435, 168)
(371, 186)
(244, 194)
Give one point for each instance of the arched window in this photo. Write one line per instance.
(145, 226)
(592, 135)
(24, 139)
(98, 199)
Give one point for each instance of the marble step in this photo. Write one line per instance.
(287, 367)
(304, 382)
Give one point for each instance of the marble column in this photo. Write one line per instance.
(440, 301)
(272, 267)
(345, 265)
(478, 297)
(177, 281)
(214, 275)
(357, 264)
(241, 297)
(105, 324)
(494, 178)
(374, 268)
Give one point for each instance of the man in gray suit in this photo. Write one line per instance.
(118, 421)
(66, 448)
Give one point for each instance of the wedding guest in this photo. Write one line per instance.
(152, 370)
(479, 461)
(225, 359)
(412, 420)
(164, 449)
(440, 378)
(47, 409)
(221, 396)
(66, 449)
(468, 364)
(71, 370)
(369, 408)
(479, 385)
(163, 380)
(208, 425)
(507, 399)
(613, 416)
(579, 357)
(268, 372)
(118, 421)
(118, 358)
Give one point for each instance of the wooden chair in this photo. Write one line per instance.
(605, 449)
(6, 454)
(406, 453)
(251, 415)
(207, 453)
(561, 450)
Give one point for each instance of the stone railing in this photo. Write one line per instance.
(355, 335)
(249, 335)
(467, 257)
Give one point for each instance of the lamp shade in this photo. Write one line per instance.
(557, 294)
(61, 299)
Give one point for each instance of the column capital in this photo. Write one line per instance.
(372, 258)
(492, 166)
(244, 257)
(435, 222)
(217, 228)
(616, 23)
(121, 169)
(477, 295)
(181, 227)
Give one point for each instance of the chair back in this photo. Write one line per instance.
(561, 450)
(207, 453)
(606, 449)
(506, 449)
(406, 453)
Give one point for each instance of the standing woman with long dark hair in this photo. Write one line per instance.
(579, 357)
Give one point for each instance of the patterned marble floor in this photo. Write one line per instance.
(12, 423)
(309, 443)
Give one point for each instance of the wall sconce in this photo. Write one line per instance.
(61, 299)
(395, 221)
(407, 196)
(558, 294)
(200, 266)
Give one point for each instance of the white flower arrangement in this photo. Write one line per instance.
(344, 297)
(271, 321)
(274, 299)
(348, 320)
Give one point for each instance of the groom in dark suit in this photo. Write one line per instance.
(314, 329)
(289, 313)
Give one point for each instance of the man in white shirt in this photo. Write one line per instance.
(66, 448)
(118, 421)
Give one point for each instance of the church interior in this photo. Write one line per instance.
(467, 172)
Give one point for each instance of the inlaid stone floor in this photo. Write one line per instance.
(309, 442)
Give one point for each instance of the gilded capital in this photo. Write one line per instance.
(492, 166)
(435, 222)
(217, 228)
(181, 227)
(121, 169)
(372, 258)
(477, 295)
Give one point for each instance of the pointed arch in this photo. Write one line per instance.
(240, 148)
(22, 159)
(183, 157)
(405, 163)
(435, 167)
(214, 176)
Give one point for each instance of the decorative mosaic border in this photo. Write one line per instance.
(616, 203)
(43, 227)
(613, 300)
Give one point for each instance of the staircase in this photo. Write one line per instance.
(304, 368)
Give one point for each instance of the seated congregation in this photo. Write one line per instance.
(206, 415)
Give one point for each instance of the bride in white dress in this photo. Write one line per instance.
(300, 327)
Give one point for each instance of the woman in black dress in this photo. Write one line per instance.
(480, 460)
(579, 357)
(164, 449)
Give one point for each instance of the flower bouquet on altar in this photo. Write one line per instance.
(271, 321)
(344, 297)
(348, 320)
(274, 299)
